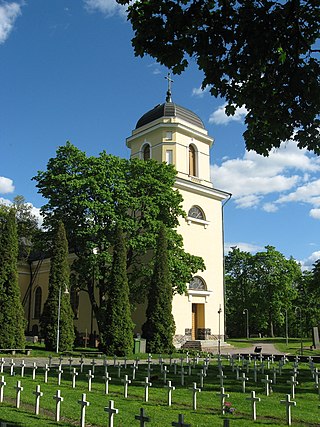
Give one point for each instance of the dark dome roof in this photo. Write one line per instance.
(170, 109)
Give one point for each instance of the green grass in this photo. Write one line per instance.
(270, 412)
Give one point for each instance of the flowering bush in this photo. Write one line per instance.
(228, 409)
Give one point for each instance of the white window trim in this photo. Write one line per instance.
(196, 293)
(203, 222)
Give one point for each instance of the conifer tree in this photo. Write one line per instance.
(58, 284)
(117, 336)
(159, 327)
(11, 311)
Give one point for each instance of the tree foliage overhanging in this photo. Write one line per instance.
(260, 54)
(95, 195)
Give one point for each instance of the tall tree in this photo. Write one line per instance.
(94, 195)
(11, 312)
(275, 279)
(258, 54)
(117, 334)
(267, 285)
(159, 327)
(58, 292)
(239, 292)
(27, 226)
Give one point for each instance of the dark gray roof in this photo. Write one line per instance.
(169, 109)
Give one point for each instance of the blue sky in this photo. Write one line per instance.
(68, 72)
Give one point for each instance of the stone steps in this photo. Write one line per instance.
(204, 345)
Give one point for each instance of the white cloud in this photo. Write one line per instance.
(307, 263)
(36, 212)
(219, 116)
(9, 12)
(6, 185)
(283, 174)
(315, 213)
(198, 91)
(243, 246)
(270, 207)
(107, 7)
(307, 193)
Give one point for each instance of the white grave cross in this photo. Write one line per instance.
(254, 401)
(293, 382)
(288, 404)
(58, 398)
(126, 382)
(147, 384)
(90, 376)
(83, 402)
(222, 396)
(195, 390)
(2, 385)
(38, 393)
(170, 389)
(267, 383)
(18, 389)
(111, 411)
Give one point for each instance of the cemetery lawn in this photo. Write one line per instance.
(269, 411)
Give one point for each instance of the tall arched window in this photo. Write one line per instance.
(37, 302)
(192, 161)
(146, 153)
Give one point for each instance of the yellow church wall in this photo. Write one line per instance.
(204, 240)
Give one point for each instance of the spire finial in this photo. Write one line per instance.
(168, 77)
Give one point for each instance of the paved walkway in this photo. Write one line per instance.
(267, 348)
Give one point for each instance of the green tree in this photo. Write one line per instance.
(159, 327)
(58, 285)
(267, 285)
(117, 334)
(239, 292)
(260, 54)
(276, 280)
(27, 226)
(11, 312)
(94, 195)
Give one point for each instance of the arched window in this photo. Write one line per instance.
(192, 161)
(198, 284)
(146, 152)
(37, 302)
(196, 212)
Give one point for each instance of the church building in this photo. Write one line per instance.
(175, 135)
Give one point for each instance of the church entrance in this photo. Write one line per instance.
(197, 321)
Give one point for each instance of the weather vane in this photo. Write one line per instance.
(168, 77)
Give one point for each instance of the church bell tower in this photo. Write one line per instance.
(173, 134)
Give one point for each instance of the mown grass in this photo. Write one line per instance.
(270, 412)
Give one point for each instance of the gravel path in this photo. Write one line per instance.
(267, 348)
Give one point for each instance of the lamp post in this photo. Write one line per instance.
(219, 337)
(246, 311)
(300, 322)
(287, 333)
(59, 311)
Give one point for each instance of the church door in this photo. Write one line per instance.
(197, 321)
